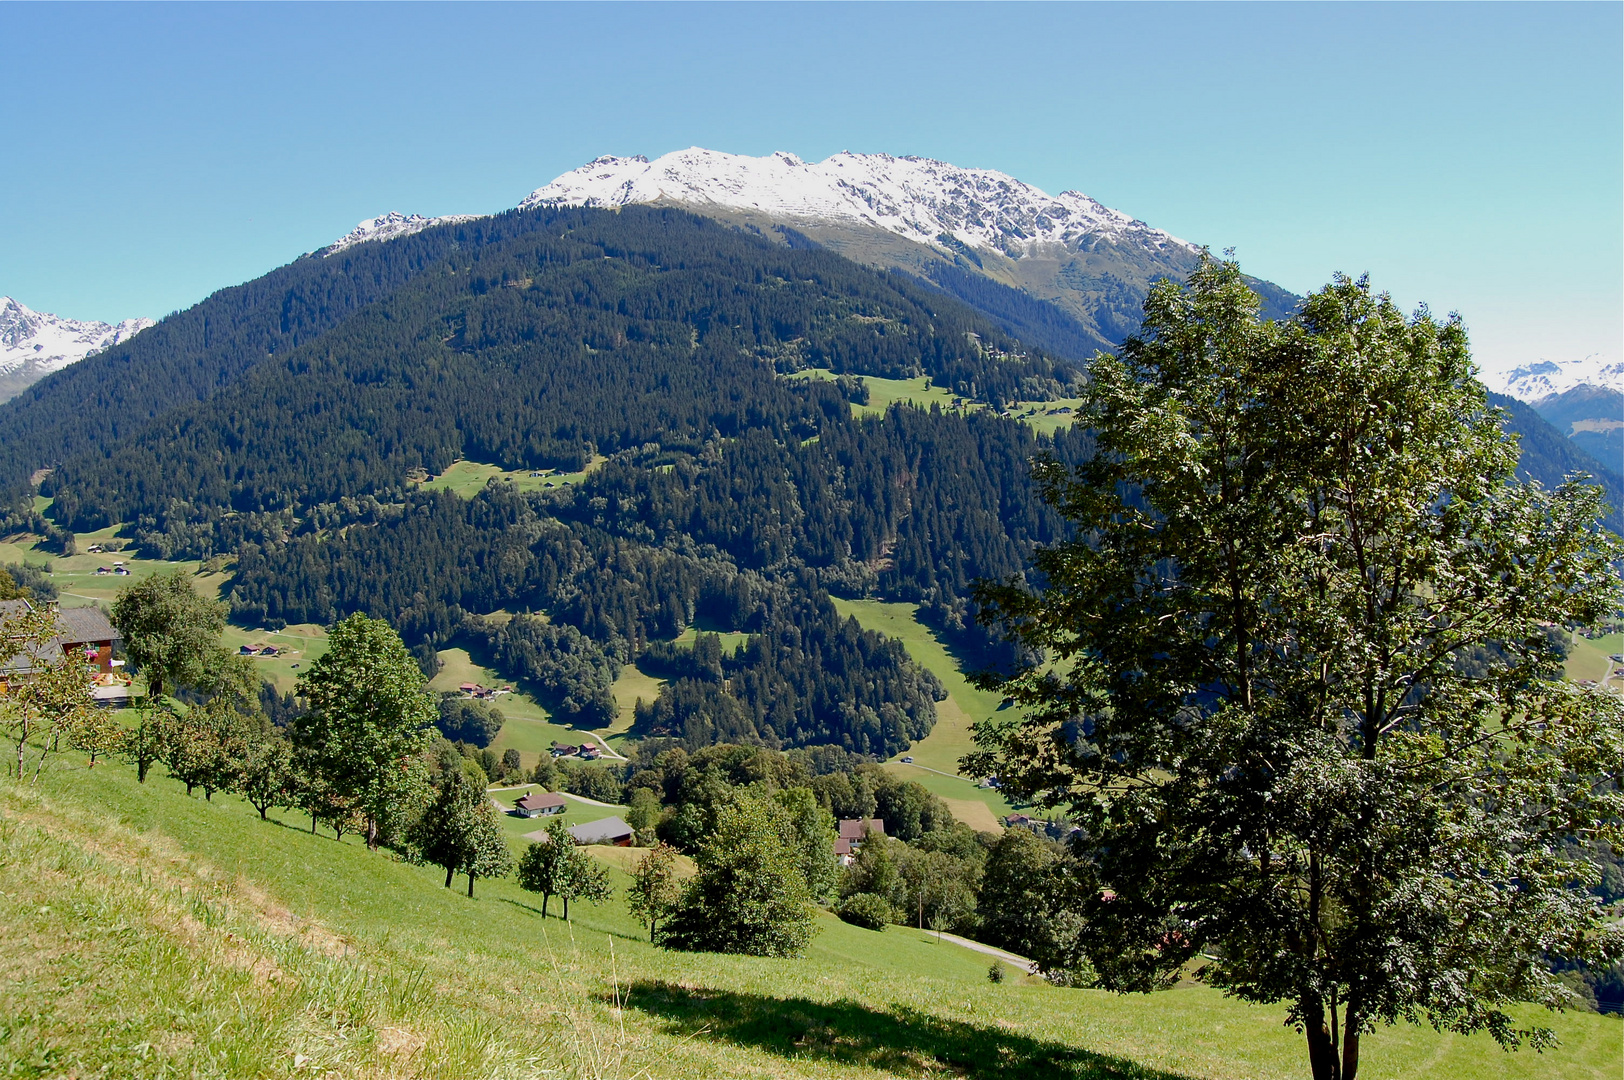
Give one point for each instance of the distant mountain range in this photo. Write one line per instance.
(33, 344)
(1544, 379)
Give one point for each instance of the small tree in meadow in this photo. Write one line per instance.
(545, 865)
(655, 887)
(585, 879)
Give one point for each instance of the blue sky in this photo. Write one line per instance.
(1465, 155)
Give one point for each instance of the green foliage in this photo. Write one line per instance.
(867, 910)
(749, 895)
(1027, 901)
(655, 889)
(591, 780)
(545, 866)
(585, 879)
(444, 834)
(22, 581)
(558, 867)
(463, 719)
(267, 778)
(572, 674)
(486, 853)
(369, 721)
(811, 836)
(1248, 693)
(47, 705)
(171, 633)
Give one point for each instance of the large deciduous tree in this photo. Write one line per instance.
(1298, 674)
(749, 895)
(170, 632)
(368, 723)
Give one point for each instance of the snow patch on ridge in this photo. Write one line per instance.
(47, 343)
(388, 227)
(927, 201)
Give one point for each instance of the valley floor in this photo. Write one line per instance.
(149, 934)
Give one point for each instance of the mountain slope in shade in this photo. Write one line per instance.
(34, 344)
(982, 236)
(1593, 417)
(951, 226)
(1547, 455)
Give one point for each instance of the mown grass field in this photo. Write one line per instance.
(1590, 658)
(153, 935)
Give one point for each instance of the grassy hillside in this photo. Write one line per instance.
(936, 756)
(150, 935)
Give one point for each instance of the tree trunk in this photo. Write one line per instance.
(1322, 1060)
(312, 823)
(450, 872)
(372, 833)
(544, 899)
(470, 886)
(566, 909)
(1350, 1048)
(652, 923)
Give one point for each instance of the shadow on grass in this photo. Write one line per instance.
(898, 1040)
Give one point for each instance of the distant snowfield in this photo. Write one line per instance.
(1543, 378)
(34, 343)
(917, 198)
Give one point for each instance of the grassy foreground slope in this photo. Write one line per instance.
(148, 934)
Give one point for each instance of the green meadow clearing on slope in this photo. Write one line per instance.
(1045, 417)
(940, 751)
(467, 478)
(150, 934)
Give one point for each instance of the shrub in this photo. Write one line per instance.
(997, 972)
(867, 910)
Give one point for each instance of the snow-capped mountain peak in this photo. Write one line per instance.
(33, 344)
(388, 227)
(927, 201)
(1541, 379)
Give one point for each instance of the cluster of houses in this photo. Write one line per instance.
(82, 631)
(610, 830)
(118, 569)
(260, 649)
(586, 751)
(483, 693)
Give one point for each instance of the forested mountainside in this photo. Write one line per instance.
(1550, 457)
(651, 343)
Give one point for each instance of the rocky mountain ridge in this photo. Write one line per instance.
(1541, 379)
(33, 344)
